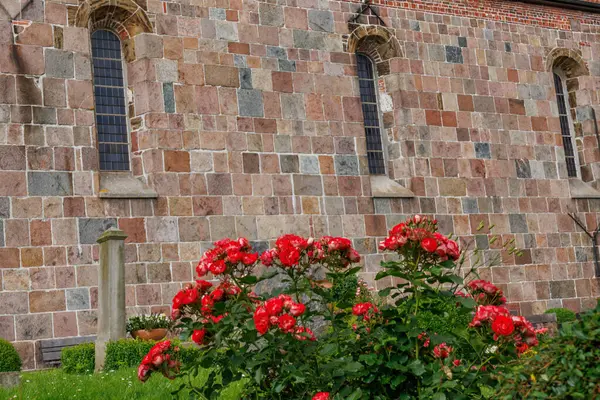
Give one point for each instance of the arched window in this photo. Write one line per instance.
(370, 108)
(109, 93)
(564, 109)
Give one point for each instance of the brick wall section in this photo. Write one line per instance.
(246, 119)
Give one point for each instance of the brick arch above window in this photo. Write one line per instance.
(377, 42)
(124, 17)
(567, 60)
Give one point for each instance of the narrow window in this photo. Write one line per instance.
(565, 124)
(368, 98)
(109, 93)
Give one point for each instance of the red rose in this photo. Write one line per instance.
(261, 320)
(198, 336)
(503, 325)
(353, 256)
(274, 306)
(217, 294)
(286, 322)
(522, 348)
(361, 308)
(456, 363)
(442, 351)
(143, 372)
(289, 256)
(297, 309)
(203, 285)
(250, 258)
(267, 257)
(429, 244)
(321, 396)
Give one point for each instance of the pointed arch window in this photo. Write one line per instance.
(566, 130)
(370, 108)
(109, 95)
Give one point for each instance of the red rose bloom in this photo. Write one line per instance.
(274, 306)
(286, 322)
(261, 320)
(321, 396)
(503, 325)
(143, 372)
(297, 309)
(250, 258)
(361, 308)
(442, 351)
(429, 244)
(203, 285)
(217, 294)
(198, 336)
(456, 363)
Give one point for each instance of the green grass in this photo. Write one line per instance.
(55, 384)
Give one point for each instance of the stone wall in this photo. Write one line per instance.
(245, 120)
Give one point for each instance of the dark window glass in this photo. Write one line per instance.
(565, 127)
(109, 93)
(368, 97)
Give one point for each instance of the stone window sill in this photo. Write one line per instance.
(582, 190)
(382, 186)
(122, 185)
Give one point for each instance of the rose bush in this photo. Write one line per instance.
(322, 335)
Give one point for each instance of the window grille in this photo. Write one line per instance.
(565, 126)
(370, 108)
(111, 111)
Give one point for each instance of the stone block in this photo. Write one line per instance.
(346, 165)
(289, 163)
(65, 324)
(250, 162)
(28, 92)
(562, 289)
(81, 94)
(13, 302)
(90, 229)
(36, 34)
(309, 164)
(158, 272)
(518, 223)
(46, 301)
(7, 328)
(59, 64)
(78, 299)
(33, 326)
(220, 75)
(308, 185)
(227, 30)
(219, 184)
(177, 161)
(523, 169)
(250, 103)
(292, 106)
(162, 229)
(193, 229)
(13, 184)
(74, 39)
(309, 40)
(50, 184)
(482, 150)
(454, 54)
(270, 14)
(12, 157)
(452, 187)
(321, 20)
(148, 46)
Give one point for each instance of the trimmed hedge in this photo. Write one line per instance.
(562, 314)
(123, 353)
(78, 359)
(9, 358)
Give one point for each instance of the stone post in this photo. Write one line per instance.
(111, 291)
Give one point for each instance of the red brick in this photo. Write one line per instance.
(10, 258)
(40, 232)
(45, 301)
(433, 117)
(465, 102)
(134, 228)
(220, 75)
(239, 48)
(282, 81)
(177, 161)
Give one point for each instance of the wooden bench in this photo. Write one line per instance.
(51, 348)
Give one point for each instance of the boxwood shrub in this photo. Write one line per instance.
(124, 353)
(9, 358)
(562, 314)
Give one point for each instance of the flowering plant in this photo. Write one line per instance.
(306, 327)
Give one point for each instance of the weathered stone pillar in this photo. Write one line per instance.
(111, 291)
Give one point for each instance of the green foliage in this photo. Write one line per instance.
(344, 288)
(123, 353)
(78, 359)
(440, 315)
(562, 314)
(148, 322)
(56, 384)
(9, 358)
(565, 367)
